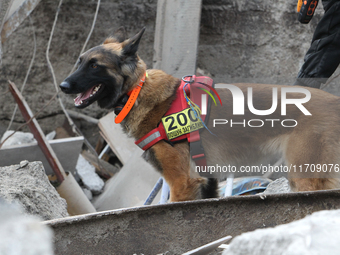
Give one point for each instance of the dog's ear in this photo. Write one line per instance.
(130, 46)
(118, 37)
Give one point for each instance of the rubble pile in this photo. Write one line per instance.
(28, 185)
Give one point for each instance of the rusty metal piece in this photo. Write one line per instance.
(37, 132)
(180, 227)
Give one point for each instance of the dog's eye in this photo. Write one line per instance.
(94, 66)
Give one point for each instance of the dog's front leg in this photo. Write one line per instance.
(174, 164)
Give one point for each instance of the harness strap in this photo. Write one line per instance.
(197, 152)
(196, 149)
(151, 138)
(159, 133)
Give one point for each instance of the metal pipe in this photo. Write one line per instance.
(165, 193)
(154, 191)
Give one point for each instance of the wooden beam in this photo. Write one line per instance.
(78, 115)
(23, 10)
(38, 133)
(176, 36)
(103, 168)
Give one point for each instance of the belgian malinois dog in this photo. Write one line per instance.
(310, 144)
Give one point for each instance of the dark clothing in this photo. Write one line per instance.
(323, 57)
(328, 3)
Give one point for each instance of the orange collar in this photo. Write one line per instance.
(133, 94)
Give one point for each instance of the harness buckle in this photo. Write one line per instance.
(192, 79)
(197, 150)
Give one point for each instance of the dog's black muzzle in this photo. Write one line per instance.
(65, 87)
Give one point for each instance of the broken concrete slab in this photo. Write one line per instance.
(29, 186)
(67, 151)
(22, 234)
(315, 234)
(130, 187)
(87, 174)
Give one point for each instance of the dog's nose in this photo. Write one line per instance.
(65, 86)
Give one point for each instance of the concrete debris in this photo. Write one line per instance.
(28, 185)
(23, 234)
(87, 174)
(22, 138)
(50, 136)
(17, 139)
(88, 193)
(315, 234)
(280, 185)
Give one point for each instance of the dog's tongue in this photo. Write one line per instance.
(83, 96)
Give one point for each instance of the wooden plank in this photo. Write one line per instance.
(67, 151)
(20, 9)
(104, 169)
(78, 115)
(130, 186)
(122, 145)
(176, 36)
(13, 7)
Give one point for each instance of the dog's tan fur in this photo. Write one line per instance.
(315, 140)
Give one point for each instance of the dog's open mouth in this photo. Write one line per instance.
(88, 97)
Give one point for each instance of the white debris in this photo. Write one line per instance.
(315, 234)
(87, 174)
(23, 163)
(17, 139)
(50, 136)
(23, 234)
(88, 193)
(280, 185)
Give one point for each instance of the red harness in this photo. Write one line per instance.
(178, 105)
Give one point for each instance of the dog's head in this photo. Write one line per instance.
(107, 72)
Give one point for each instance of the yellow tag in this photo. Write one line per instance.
(181, 123)
(299, 5)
